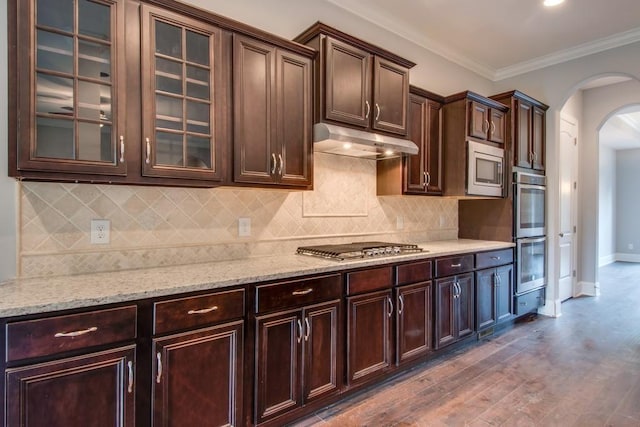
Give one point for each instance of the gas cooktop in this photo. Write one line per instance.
(358, 250)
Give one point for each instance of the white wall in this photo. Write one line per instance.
(573, 106)
(628, 204)
(607, 206)
(288, 18)
(554, 85)
(8, 203)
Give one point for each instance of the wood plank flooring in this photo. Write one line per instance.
(581, 369)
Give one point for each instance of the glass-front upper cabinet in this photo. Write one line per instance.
(70, 114)
(183, 119)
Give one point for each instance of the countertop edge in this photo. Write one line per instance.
(49, 294)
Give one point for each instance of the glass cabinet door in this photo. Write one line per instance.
(180, 61)
(76, 118)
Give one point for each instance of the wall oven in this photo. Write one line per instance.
(531, 265)
(530, 196)
(485, 170)
(529, 232)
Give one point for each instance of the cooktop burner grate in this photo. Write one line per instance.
(358, 250)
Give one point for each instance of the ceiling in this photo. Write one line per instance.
(503, 38)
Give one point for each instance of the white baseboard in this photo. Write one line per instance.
(551, 308)
(606, 260)
(627, 257)
(589, 289)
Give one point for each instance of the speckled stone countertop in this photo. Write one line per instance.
(39, 295)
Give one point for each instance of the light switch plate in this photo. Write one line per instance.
(244, 227)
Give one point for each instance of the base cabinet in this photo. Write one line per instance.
(296, 358)
(494, 291)
(454, 300)
(198, 377)
(413, 321)
(369, 348)
(96, 390)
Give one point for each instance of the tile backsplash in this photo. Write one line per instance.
(158, 226)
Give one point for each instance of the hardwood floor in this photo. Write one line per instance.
(581, 369)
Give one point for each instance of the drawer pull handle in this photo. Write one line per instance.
(497, 258)
(203, 310)
(130, 386)
(159, 375)
(75, 333)
(305, 292)
(456, 265)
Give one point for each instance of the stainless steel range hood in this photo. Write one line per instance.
(328, 138)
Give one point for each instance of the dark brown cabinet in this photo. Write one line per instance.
(454, 307)
(472, 120)
(95, 389)
(494, 296)
(67, 109)
(129, 92)
(359, 85)
(272, 115)
(454, 299)
(485, 122)
(369, 345)
(72, 369)
(297, 350)
(413, 321)
(527, 128)
(198, 368)
(419, 174)
(183, 95)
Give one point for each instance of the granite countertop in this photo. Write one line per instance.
(39, 295)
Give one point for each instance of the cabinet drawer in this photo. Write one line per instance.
(201, 310)
(297, 293)
(413, 273)
(51, 335)
(369, 280)
(494, 258)
(529, 302)
(454, 265)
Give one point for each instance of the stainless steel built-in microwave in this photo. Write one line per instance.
(485, 170)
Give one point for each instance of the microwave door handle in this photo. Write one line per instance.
(500, 178)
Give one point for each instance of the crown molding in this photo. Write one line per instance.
(484, 70)
(418, 39)
(565, 55)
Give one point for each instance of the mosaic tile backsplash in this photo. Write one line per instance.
(157, 226)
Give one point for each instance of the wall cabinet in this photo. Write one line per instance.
(359, 85)
(454, 300)
(469, 117)
(272, 115)
(494, 288)
(76, 369)
(420, 174)
(183, 98)
(527, 129)
(198, 372)
(297, 350)
(127, 92)
(486, 122)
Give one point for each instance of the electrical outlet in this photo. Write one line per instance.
(399, 223)
(244, 227)
(100, 231)
(630, 246)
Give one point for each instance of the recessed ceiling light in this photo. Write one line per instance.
(388, 152)
(346, 145)
(550, 3)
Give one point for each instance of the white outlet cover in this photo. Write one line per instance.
(100, 231)
(244, 227)
(399, 223)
